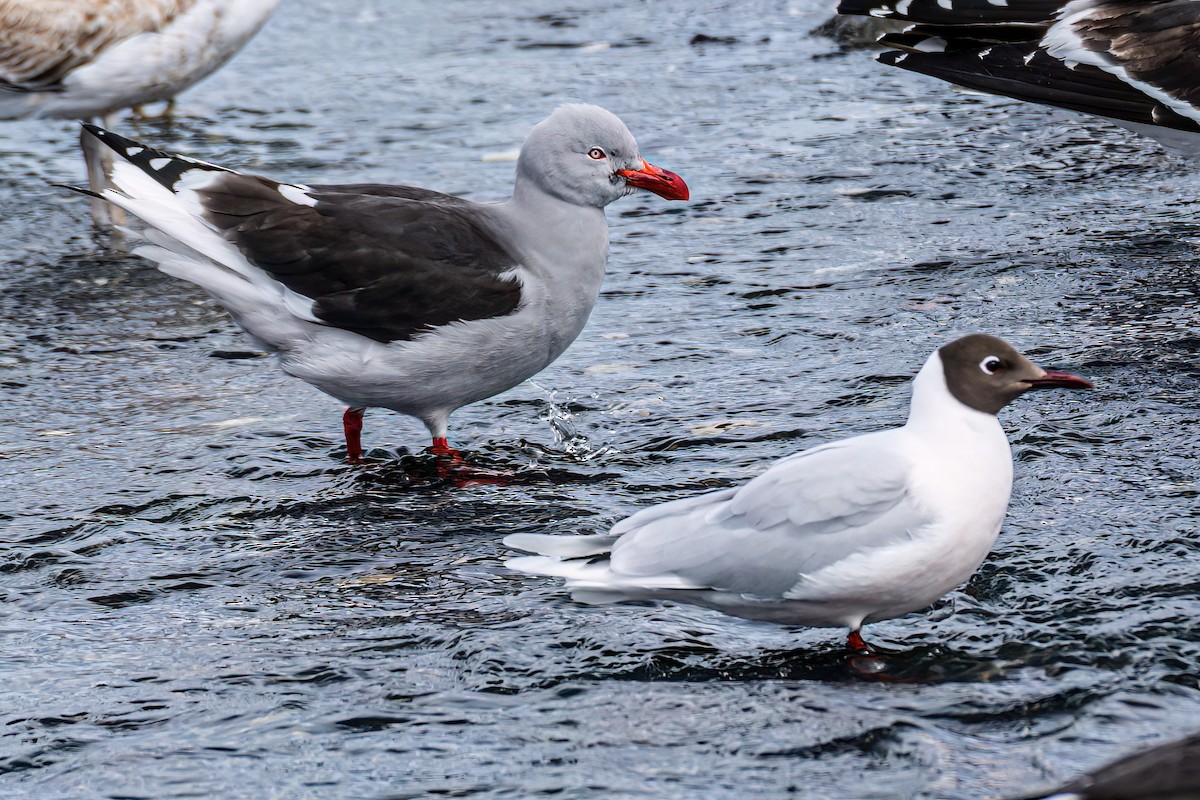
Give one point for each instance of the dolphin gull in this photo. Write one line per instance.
(393, 296)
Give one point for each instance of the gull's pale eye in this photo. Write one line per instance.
(991, 365)
(597, 153)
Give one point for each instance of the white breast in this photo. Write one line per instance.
(962, 475)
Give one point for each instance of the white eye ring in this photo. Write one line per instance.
(991, 365)
(597, 153)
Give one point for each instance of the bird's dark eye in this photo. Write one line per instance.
(597, 153)
(991, 365)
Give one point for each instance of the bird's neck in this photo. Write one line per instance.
(968, 455)
(559, 230)
(937, 414)
(530, 191)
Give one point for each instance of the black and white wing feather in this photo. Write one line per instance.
(1136, 62)
(955, 12)
(386, 262)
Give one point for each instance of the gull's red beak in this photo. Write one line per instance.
(663, 183)
(1052, 378)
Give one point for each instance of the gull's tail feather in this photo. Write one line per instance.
(561, 546)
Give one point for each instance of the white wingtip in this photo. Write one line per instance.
(561, 546)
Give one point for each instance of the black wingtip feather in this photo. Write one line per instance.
(959, 12)
(912, 43)
(118, 143)
(857, 7)
(78, 189)
(142, 156)
(1032, 76)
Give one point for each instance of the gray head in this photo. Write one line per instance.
(586, 156)
(986, 373)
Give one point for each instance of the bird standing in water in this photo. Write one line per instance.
(88, 59)
(392, 296)
(843, 534)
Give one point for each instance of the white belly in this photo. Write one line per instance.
(449, 367)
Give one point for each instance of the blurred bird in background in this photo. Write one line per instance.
(89, 59)
(1134, 62)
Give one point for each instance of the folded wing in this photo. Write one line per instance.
(805, 513)
(387, 262)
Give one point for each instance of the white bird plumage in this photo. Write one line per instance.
(843, 534)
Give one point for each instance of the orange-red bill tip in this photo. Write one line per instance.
(662, 182)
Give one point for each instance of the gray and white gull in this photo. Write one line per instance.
(846, 533)
(390, 296)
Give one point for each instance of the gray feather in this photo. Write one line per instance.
(802, 515)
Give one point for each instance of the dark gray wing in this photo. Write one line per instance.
(1132, 61)
(385, 262)
(955, 12)
(1027, 72)
(1156, 43)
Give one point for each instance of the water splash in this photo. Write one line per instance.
(567, 436)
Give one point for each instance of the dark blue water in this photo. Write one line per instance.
(201, 600)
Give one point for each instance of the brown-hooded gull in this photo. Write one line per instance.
(84, 59)
(1135, 62)
(843, 534)
(393, 296)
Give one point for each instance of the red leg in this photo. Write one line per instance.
(352, 423)
(441, 447)
(855, 643)
(453, 467)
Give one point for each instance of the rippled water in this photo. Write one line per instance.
(201, 600)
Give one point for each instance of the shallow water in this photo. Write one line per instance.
(201, 600)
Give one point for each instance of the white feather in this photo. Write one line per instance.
(1064, 43)
(187, 247)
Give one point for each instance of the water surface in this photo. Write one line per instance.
(201, 600)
